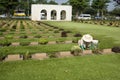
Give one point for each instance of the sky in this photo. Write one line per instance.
(110, 7)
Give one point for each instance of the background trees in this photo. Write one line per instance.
(7, 6)
(78, 6)
(100, 6)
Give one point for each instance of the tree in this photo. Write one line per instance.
(41, 1)
(52, 2)
(78, 6)
(116, 12)
(100, 6)
(90, 10)
(117, 1)
(7, 6)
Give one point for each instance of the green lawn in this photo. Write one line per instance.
(91, 67)
(108, 36)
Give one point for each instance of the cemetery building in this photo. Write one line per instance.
(48, 12)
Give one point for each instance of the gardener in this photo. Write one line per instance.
(87, 42)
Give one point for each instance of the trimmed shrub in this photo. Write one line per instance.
(56, 31)
(8, 37)
(63, 34)
(60, 40)
(14, 27)
(55, 27)
(75, 40)
(61, 29)
(43, 41)
(68, 31)
(24, 43)
(1, 33)
(77, 35)
(26, 56)
(116, 49)
(23, 36)
(3, 54)
(75, 50)
(37, 36)
(2, 30)
(5, 43)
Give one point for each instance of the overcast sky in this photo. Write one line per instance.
(110, 7)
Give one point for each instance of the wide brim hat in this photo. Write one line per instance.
(87, 38)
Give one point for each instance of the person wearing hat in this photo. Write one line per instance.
(86, 42)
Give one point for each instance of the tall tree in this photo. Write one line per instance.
(41, 1)
(78, 5)
(100, 6)
(7, 6)
(117, 1)
(52, 2)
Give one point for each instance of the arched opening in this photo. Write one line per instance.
(43, 15)
(63, 15)
(53, 15)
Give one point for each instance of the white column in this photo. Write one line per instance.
(58, 15)
(48, 15)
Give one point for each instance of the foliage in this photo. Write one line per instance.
(43, 41)
(7, 6)
(8, 37)
(63, 34)
(116, 12)
(24, 43)
(5, 43)
(100, 5)
(75, 40)
(56, 31)
(52, 2)
(77, 35)
(3, 54)
(2, 30)
(37, 36)
(60, 40)
(75, 50)
(23, 36)
(78, 5)
(26, 56)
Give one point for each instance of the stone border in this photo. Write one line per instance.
(14, 57)
(63, 54)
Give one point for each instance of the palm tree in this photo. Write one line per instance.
(100, 6)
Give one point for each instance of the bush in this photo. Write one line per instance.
(2, 30)
(78, 35)
(3, 54)
(1, 33)
(75, 40)
(63, 34)
(8, 37)
(26, 56)
(61, 29)
(116, 49)
(5, 43)
(68, 31)
(23, 36)
(60, 40)
(14, 27)
(24, 43)
(37, 36)
(56, 31)
(75, 50)
(43, 41)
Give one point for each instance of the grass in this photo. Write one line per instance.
(102, 33)
(97, 67)
(36, 49)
